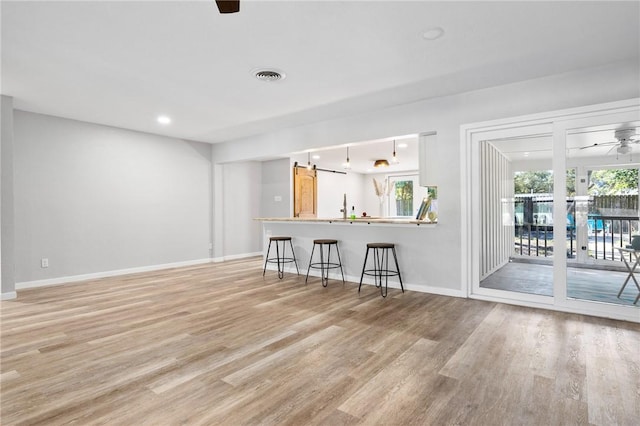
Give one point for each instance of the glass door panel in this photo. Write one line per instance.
(602, 205)
(613, 210)
(516, 193)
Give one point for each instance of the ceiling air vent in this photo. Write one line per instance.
(269, 75)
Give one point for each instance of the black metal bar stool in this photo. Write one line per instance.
(280, 260)
(323, 265)
(380, 259)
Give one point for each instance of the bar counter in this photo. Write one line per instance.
(410, 236)
(358, 220)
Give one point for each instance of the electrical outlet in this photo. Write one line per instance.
(44, 262)
(277, 198)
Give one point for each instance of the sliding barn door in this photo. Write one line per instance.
(305, 192)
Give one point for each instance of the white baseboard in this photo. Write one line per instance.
(393, 282)
(237, 256)
(290, 268)
(8, 296)
(105, 274)
(441, 291)
(421, 288)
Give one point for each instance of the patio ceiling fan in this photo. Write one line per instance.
(625, 140)
(228, 6)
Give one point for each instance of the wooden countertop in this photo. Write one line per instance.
(358, 220)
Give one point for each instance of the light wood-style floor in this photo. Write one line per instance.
(218, 344)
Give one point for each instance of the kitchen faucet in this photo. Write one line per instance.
(343, 210)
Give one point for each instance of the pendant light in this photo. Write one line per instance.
(395, 157)
(347, 164)
(381, 163)
(309, 166)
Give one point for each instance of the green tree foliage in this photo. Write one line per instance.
(404, 190)
(433, 192)
(541, 182)
(534, 182)
(613, 182)
(571, 182)
(404, 197)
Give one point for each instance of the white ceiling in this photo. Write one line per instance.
(581, 143)
(123, 63)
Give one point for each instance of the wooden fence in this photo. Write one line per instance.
(614, 205)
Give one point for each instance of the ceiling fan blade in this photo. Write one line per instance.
(228, 6)
(612, 148)
(600, 144)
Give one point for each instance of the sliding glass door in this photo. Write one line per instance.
(603, 211)
(553, 207)
(515, 199)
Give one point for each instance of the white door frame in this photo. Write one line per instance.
(557, 123)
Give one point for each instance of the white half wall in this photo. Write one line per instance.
(93, 199)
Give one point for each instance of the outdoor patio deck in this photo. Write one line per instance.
(582, 283)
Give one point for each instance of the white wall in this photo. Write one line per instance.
(331, 190)
(371, 202)
(241, 194)
(7, 214)
(92, 198)
(276, 182)
(445, 115)
(276, 188)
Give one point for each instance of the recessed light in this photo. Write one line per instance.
(402, 145)
(433, 33)
(316, 157)
(526, 154)
(163, 119)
